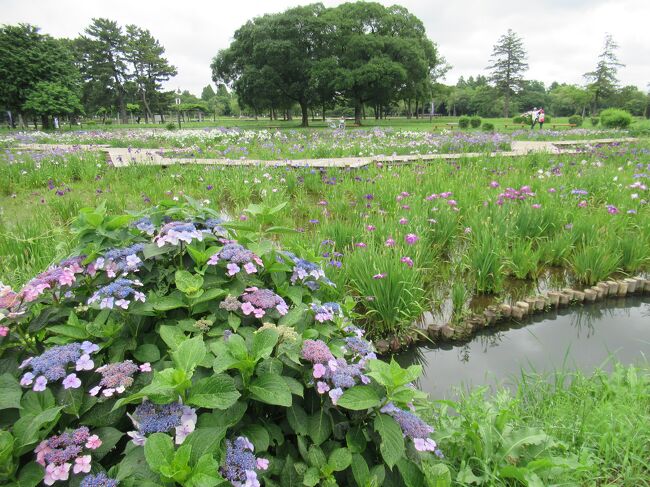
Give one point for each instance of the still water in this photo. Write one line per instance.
(572, 338)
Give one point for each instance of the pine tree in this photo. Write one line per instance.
(508, 63)
(602, 82)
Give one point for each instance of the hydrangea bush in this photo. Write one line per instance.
(175, 348)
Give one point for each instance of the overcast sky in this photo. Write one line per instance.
(563, 37)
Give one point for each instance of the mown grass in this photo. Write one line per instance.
(563, 429)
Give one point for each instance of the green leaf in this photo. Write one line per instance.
(263, 343)
(167, 303)
(340, 459)
(189, 354)
(152, 250)
(10, 392)
(312, 477)
(188, 283)
(214, 392)
(69, 331)
(356, 440)
(147, 352)
(205, 473)
(26, 429)
(172, 336)
(270, 389)
(319, 427)
(159, 451)
(294, 293)
(30, 475)
(359, 398)
(392, 442)
(298, 419)
(258, 435)
(118, 221)
(410, 472)
(436, 474)
(205, 441)
(71, 400)
(465, 475)
(110, 437)
(360, 470)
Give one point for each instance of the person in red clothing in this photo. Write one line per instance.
(540, 118)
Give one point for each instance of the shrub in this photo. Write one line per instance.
(108, 122)
(520, 119)
(576, 120)
(463, 122)
(166, 353)
(487, 127)
(90, 122)
(475, 122)
(170, 126)
(594, 121)
(615, 118)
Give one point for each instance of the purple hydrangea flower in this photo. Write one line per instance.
(52, 365)
(116, 294)
(240, 464)
(116, 377)
(236, 256)
(174, 232)
(316, 352)
(144, 225)
(412, 427)
(63, 274)
(98, 480)
(161, 418)
(118, 261)
(259, 301)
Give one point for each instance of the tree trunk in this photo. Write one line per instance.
(417, 108)
(305, 114)
(363, 110)
(21, 122)
(506, 109)
(45, 121)
(357, 113)
(323, 112)
(289, 115)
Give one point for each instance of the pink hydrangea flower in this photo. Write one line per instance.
(4, 331)
(319, 371)
(71, 382)
(82, 464)
(93, 442)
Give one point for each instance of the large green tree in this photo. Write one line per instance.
(103, 64)
(603, 81)
(507, 66)
(149, 67)
(49, 99)
(28, 58)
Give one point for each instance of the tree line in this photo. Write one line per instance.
(106, 68)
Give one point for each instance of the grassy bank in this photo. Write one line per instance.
(567, 429)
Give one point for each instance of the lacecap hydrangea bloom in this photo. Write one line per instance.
(260, 301)
(53, 365)
(63, 452)
(116, 377)
(174, 232)
(240, 464)
(236, 257)
(63, 274)
(118, 261)
(116, 294)
(98, 480)
(413, 427)
(151, 418)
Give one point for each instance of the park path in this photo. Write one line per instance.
(122, 157)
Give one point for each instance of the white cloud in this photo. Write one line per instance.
(563, 37)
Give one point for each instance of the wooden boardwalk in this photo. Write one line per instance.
(122, 157)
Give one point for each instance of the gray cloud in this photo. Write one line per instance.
(563, 37)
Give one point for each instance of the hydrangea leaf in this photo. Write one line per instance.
(215, 392)
(271, 389)
(359, 398)
(392, 442)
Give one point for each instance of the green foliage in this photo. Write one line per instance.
(51, 99)
(591, 264)
(243, 373)
(475, 122)
(170, 126)
(519, 119)
(463, 122)
(576, 120)
(615, 118)
(487, 127)
(594, 121)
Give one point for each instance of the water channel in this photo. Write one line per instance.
(571, 338)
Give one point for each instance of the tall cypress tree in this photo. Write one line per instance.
(508, 64)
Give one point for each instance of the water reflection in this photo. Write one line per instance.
(577, 337)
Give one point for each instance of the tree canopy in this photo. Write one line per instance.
(508, 64)
(311, 55)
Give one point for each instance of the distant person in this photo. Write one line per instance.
(56, 123)
(540, 118)
(342, 123)
(533, 117)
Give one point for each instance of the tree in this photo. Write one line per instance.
(602, 82)
(569, 99)
(149, 67)
(270, 61)
(49, 99)
(507, 66)
(104, 64)
(207, 93)
(28, 58)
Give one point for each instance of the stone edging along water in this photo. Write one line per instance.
(518, 311)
